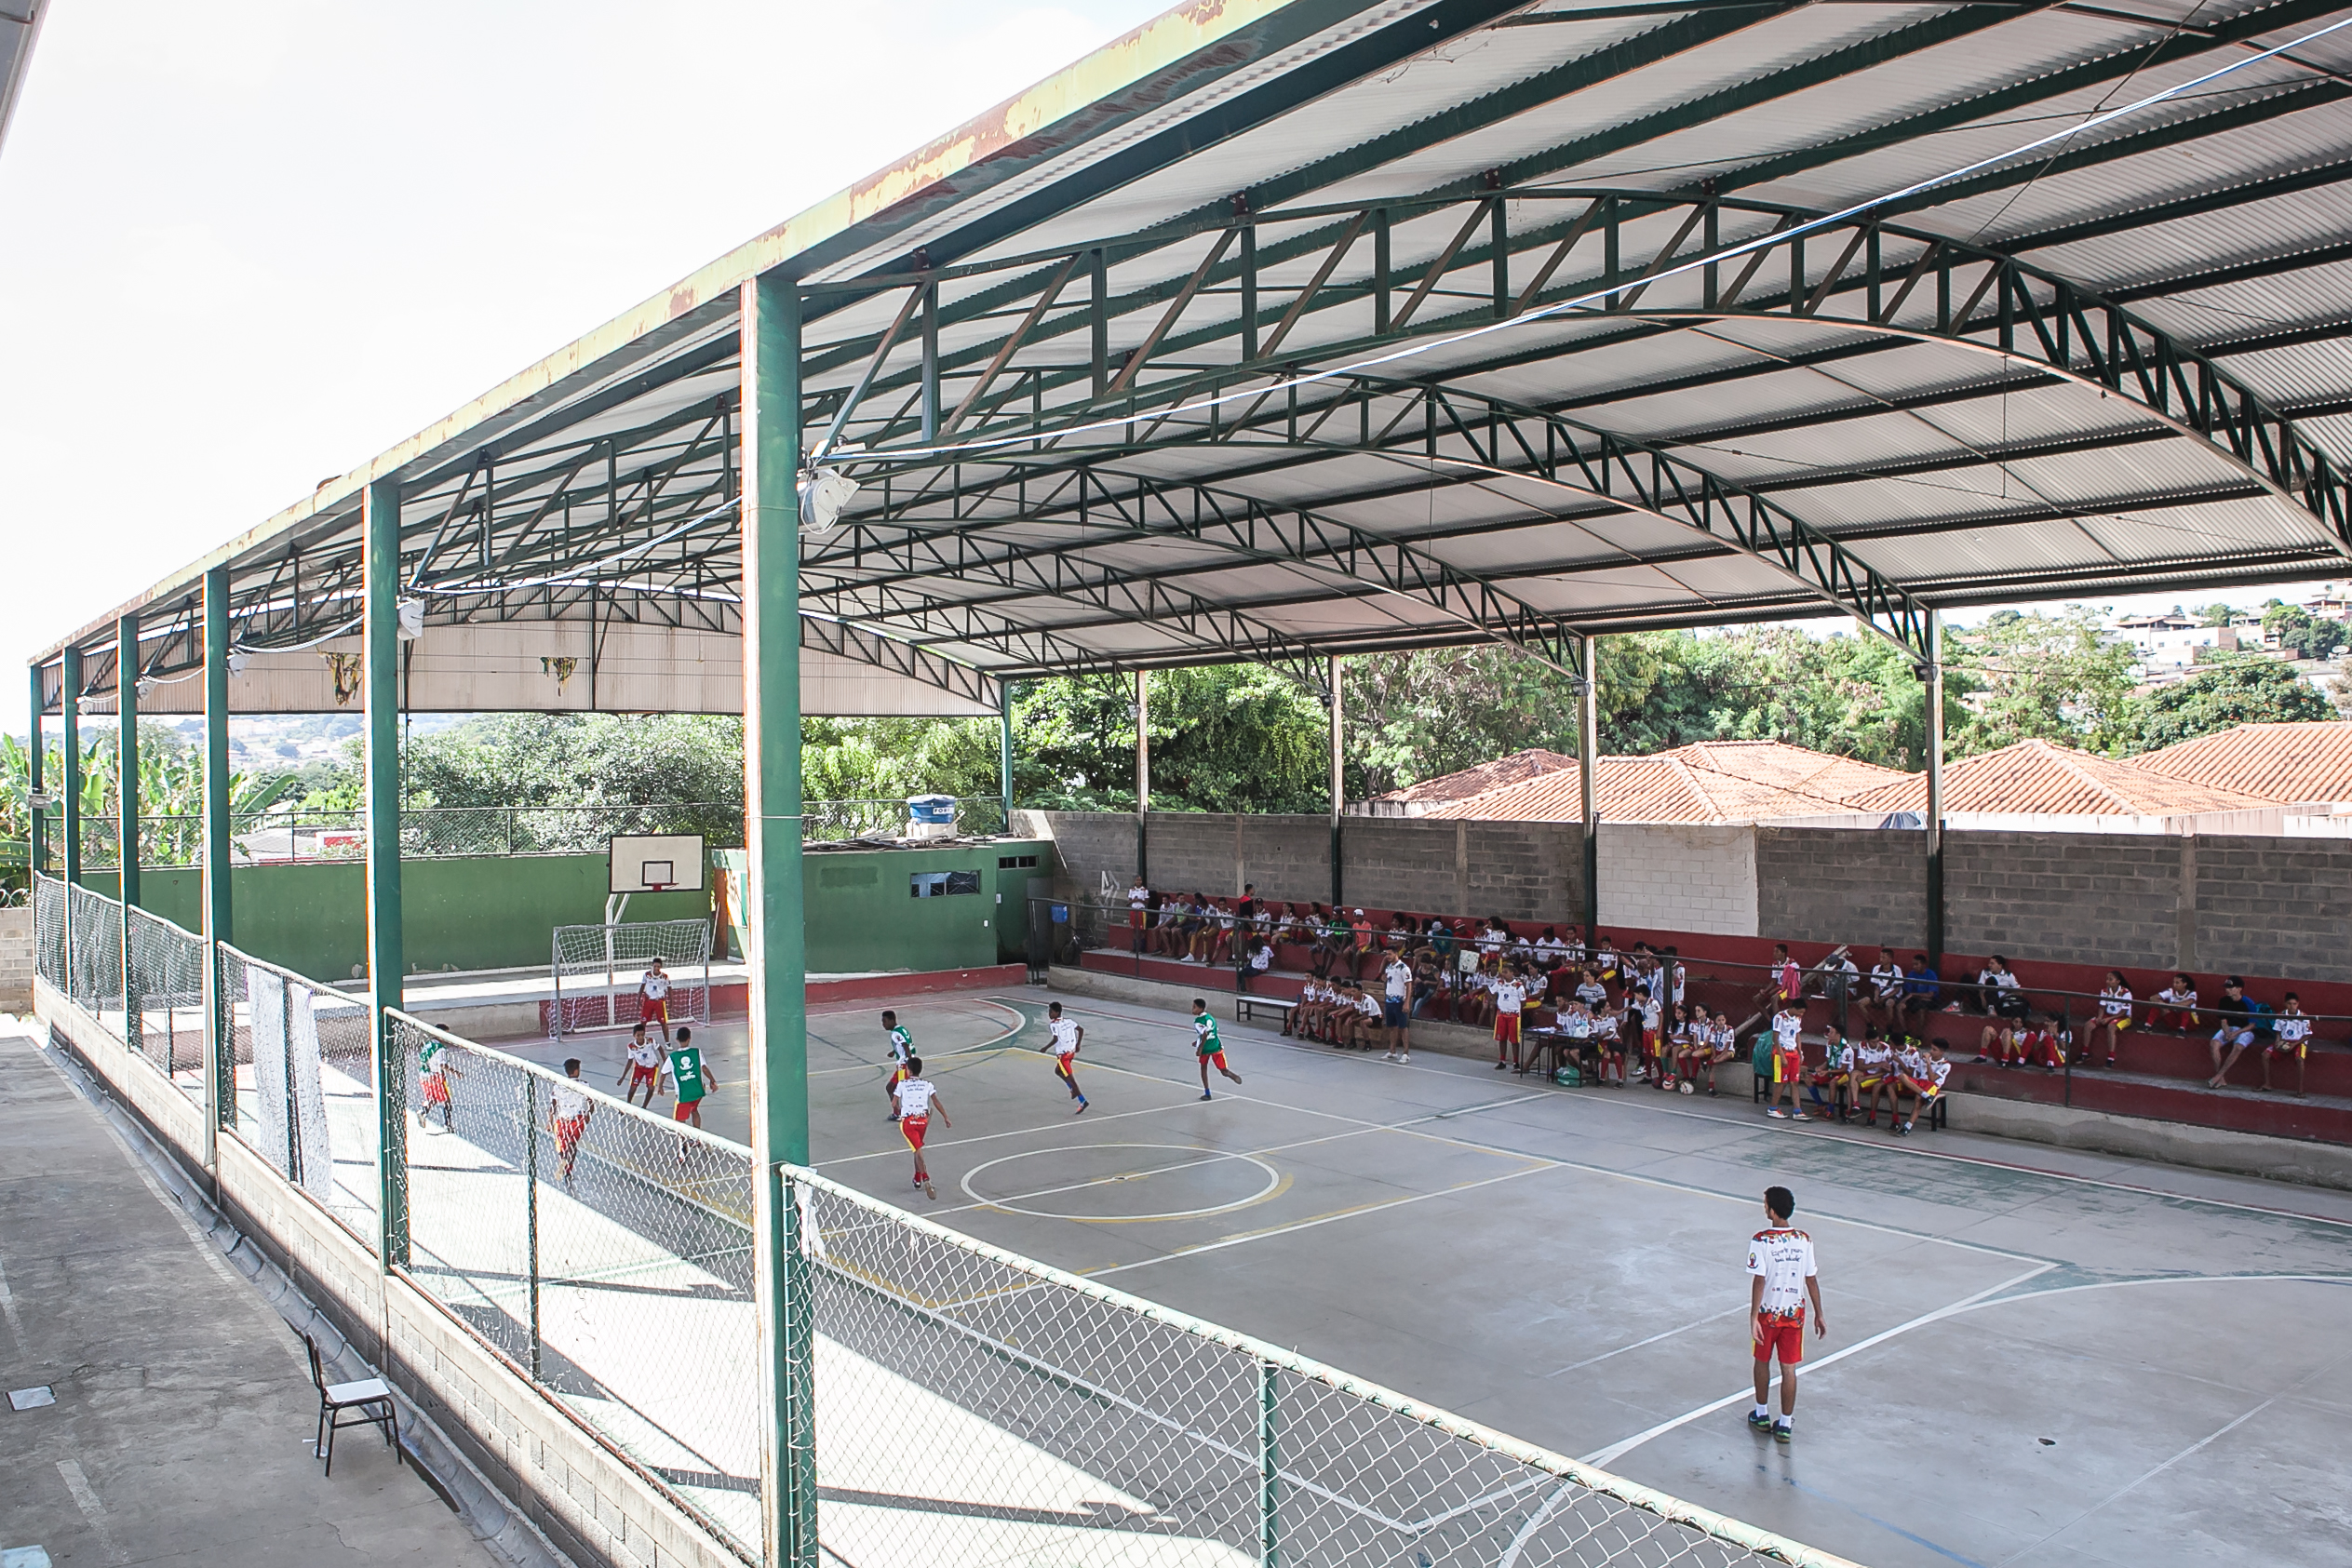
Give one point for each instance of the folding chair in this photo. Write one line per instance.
(369, 1400)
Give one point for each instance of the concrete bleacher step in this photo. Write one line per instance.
(2241, 1109)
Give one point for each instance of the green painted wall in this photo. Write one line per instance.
(863, 916)
(485, 913)
(496, 912)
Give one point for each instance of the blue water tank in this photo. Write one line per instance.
(933, 809)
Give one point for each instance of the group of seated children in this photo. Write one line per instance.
(1854, 1079)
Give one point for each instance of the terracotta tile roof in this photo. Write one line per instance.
(1517, 768)
(2039, 777)
(1707, 782)
(2306, 761)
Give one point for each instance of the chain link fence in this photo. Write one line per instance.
(305, 1084)
(974, 1406)
(94, 962)
(603, 1251)
(48, 929)
(166, 985)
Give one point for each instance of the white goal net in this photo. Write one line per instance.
(600, 971)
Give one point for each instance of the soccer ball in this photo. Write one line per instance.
(1690, 1088)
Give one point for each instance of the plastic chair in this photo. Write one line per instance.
(368, 1402)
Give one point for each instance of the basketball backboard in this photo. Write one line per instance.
(646, 863)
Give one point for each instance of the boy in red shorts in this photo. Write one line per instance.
(917, 1100)
(653, 996)
(643, 1066)
(1783, 1276)
(694, 1080)
(568, 1117)
(1207, 1047)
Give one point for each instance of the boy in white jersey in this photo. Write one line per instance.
(1788, 1061)
(1835, 1073)
(568, 1114)
(1509, 997)
(1062, 1040)
(917, 1099)
(1608, 1043)
(1873, 1068)
(1784, 1276)
(2290, 1035)
(653, 996)
(643, 1066)
(1921, 1079)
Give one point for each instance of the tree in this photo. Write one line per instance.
(2215, 614)
(2299, 631)
(2340, 689)
(2229, 689)
(2043, 677)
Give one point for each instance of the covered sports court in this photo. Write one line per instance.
(1289, 331)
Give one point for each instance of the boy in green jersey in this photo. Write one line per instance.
(901, 1051)
(1208, 1046)
(693, 1077)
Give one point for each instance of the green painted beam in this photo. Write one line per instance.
(219, 1062)
(381, 687)
(770, 527)
(36, 819)
(127, 820)
(69, 771)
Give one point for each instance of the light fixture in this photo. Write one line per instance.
(824, 493)
(237, 662)
(141, 688)
(409, 624)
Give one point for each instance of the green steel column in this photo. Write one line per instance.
(1004, 747)
(1588, 766)
(1338, 775)
(380, 587)
(1143, 775)
(68, 783)
(1934, 820)
(36, 819)
(1269, 1472)
(126, 816)
(769, 318)
(220, 1066)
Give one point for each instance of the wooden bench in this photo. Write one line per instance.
(1245, 1006)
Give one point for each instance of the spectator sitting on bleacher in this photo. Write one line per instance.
(1608, 1041)
(1921, 1079)
(2175, 1006)
(1874, 1067)
(2235, 1016)
(1998, 990)
(1427, 973)
(1783, 987)
(2039, 1041)
(1604, 959)
(2290, 1035)
(1921, 990)
(1835, 1073)
(1882, 1003)
(1253, 966)
(2113, 1017)
(1549, 949)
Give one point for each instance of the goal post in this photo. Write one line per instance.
(598, 969)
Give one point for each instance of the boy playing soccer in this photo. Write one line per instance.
(1206, 1046)
(901, 1051)
(653, 996)
(567, 1116)
(1063, 1038)
(917, 1099)
(434, 1070)
(644, 1066)
(1783, 1276)
(694, 1080)
(1788, 1060)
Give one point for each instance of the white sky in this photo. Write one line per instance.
(245, 247)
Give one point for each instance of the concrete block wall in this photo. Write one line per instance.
(1525, 871)
(1679, 877)
(2088, 898)
(15, 960)
(2274, 907)
(1818, 884)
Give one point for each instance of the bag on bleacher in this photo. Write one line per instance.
(1760, 1057)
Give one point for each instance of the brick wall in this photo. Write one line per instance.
(2088, 898)
(1818, 884)
(2274, 907)
(15, 960)
(1679, 877)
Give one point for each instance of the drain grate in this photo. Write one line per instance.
(30, 1399)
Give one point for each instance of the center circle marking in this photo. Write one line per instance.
(1031, 1206)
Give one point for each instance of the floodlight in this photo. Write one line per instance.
(237, 662)
(824, 493)
(41, 799)
(410, 625)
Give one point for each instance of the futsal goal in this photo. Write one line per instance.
(599, 970)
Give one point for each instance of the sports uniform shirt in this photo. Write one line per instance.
(428, 1061)
(686, 1067)
(1204, 1039)
(644, 1053)
(1874, 1060)
(1261, 960)
(1509, 997)
(1137, 896)
(1885, 978)
(1783, 1260)
(2294, 1028)
(2115, 1003)
(1365, 1005)
(1400, 981)
(1679, 980)
(1914, 1065)
(1837, 1058)
(1064, 1041)
(1578, 1026)
(1652, 1010)
(902, 1043)
(914, 1099)
(1932, 1074)
(1787, 1030)
(571, 1105)
(656, 986)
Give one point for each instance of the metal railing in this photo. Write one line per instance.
(955, 1401)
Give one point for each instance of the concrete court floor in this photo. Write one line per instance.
(185, 1411)
(2036, 1357)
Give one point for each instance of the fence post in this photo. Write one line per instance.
(800, 1392)
(531, 1206)
(380, 573)
(286, 1072)
(1269, 1466)
(126, 821)
(220, 1037)
(36, 819)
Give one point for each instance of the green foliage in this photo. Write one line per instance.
(2231, 689)
(2215, 614)
(2057, 678)
(2299, 631)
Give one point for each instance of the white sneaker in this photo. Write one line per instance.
(1776, 1113)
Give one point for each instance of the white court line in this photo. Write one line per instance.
(1610, 1455)
(16, 1324)
(92, 1509)
(1911, 1151)
(1662, 1334)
